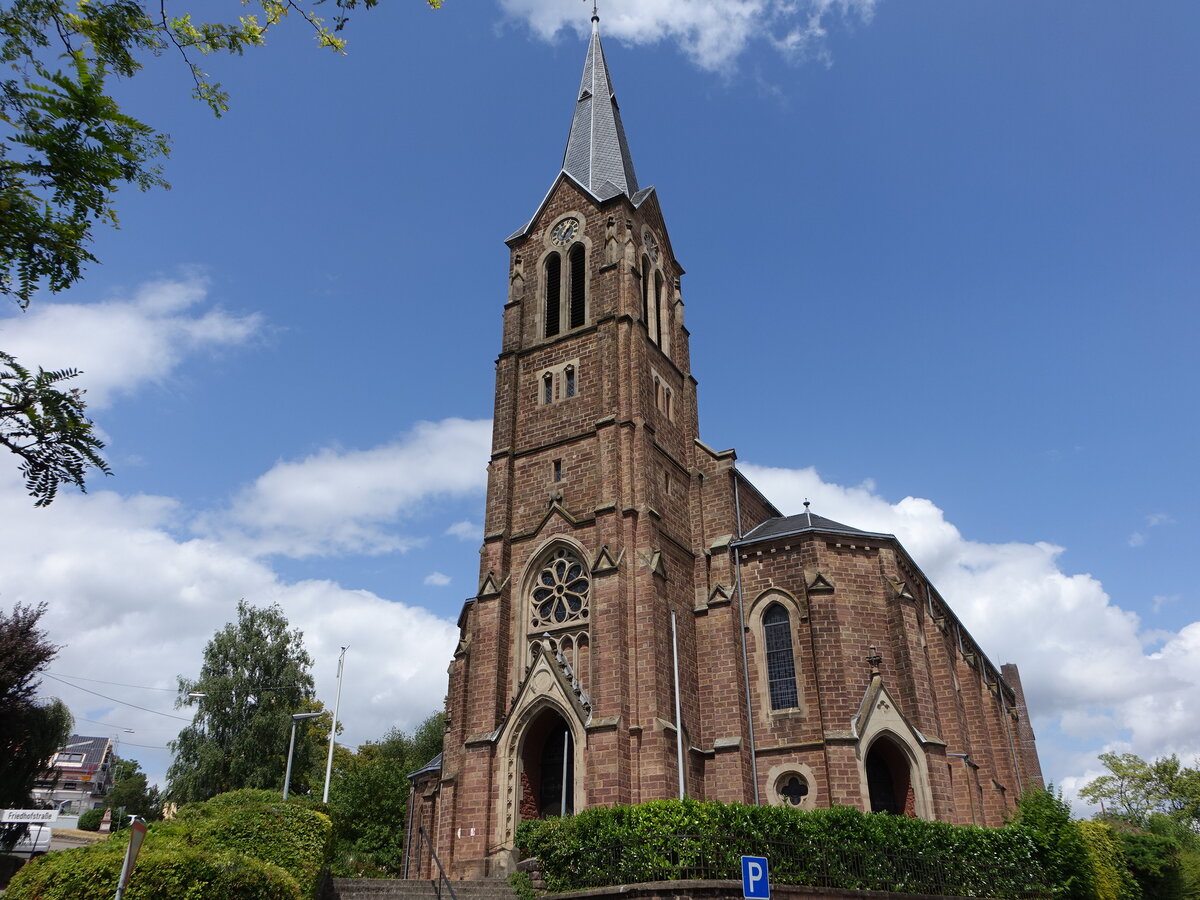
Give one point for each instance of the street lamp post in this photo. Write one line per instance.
(333, 730)
(287, 778)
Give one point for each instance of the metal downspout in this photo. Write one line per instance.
(678, 714)
(412, 795)
(737, 563)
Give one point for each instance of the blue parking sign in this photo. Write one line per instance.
(754, 878)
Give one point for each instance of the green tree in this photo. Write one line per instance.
(67, 147)
(1136, 790)
(30, 730)
(368, 799)
(255, 675)
(131, 793)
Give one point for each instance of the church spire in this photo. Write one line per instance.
(597, 154)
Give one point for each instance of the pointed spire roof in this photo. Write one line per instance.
(597, 154)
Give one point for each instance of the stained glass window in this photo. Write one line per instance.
(560, 593)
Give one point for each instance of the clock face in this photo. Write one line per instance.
(565, 231)
(651, 246)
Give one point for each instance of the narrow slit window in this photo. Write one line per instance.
(569, 382)
(558, 470)
(578, 284)
(781, 663)
(670, 412)
(553, 290)
(547, 388)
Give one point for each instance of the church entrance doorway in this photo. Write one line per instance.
(889, 779)
(547, 768)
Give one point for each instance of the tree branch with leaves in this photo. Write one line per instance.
(67, 148)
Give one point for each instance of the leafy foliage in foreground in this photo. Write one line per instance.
(46, 428)
(66, 149)
(248, 845)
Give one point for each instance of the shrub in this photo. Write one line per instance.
(90, 820)
(292, 835)
(1156, 862)
(1111, 877)
(840, 847)
(170, 871)
(248, 845)
(1060, 848)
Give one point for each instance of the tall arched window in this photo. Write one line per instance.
(781, 661)
(658, 307)
(578, 283)
(647, 310)
(553, 281)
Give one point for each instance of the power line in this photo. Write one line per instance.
(143, 746)
(115, 700)
(121, 740)
(140, 687)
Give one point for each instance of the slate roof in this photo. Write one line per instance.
(597, 154)
(799, 524)
(434, 765)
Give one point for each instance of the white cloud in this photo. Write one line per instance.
(1087, 665)
(712, 33)
(437, 579)
(349, 501)
(1161, 600)
(466, 531)
(122, 344)
(130, 603)
(1154, 520)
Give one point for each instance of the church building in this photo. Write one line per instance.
(648, 625)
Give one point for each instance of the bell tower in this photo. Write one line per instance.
(562, 689)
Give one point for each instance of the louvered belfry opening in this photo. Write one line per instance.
(578, 283)
(553, 289)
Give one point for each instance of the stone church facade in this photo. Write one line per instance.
(647, 623)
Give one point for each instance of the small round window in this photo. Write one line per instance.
(792, 790)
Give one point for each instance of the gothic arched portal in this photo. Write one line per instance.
(889, 779)
(547, 767)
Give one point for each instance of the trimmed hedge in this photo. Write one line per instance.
(840, 847)
(247, 845)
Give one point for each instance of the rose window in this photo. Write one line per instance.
(560, 594)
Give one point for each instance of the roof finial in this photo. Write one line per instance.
(875, 661)
(807, 513)
(595, 15)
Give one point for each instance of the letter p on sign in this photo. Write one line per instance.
(754, 878)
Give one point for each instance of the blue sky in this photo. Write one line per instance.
(942, 279)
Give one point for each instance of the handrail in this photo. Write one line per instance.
(423, 835)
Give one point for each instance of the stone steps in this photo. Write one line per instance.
(399, 889)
